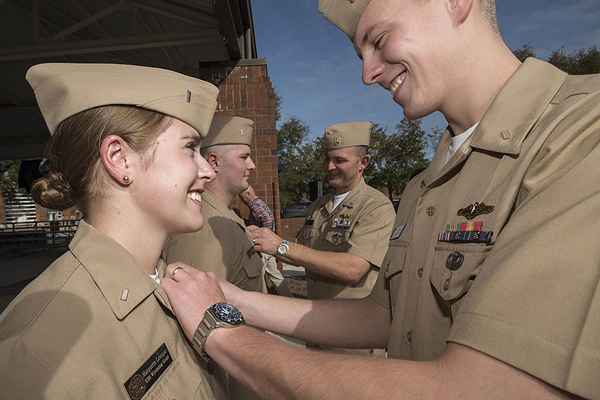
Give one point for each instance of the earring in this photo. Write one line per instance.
(126, 180)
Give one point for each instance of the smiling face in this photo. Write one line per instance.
(409, 48)
(344, 167)
(168, 190)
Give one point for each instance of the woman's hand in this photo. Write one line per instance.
(190, 293)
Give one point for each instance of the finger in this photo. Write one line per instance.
(176, 272)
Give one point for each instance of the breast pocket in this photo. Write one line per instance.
(454, 270)
(393, 266)
(249, 275)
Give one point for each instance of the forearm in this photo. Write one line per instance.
(341, 267)
(278, 371)
(350, 323)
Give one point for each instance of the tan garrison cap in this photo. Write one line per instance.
(348, 134)
(63, 90)
(226, 129)
(343, 13)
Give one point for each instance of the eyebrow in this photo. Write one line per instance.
(196, 138)
(368, 32)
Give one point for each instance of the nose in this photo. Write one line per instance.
(329, 165)
(251, 165)
(206, 173)
(372, 70)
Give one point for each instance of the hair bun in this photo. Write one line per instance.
(53, 192)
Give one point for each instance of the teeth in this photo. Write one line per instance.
(196, 196)
(396, 83)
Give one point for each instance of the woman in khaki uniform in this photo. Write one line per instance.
(95, 324)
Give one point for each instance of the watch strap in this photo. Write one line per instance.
(208, 323)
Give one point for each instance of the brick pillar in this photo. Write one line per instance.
(248, 92)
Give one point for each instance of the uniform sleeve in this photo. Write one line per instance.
(536, 303)
(262, 213)
(371, 234)
(199, 249)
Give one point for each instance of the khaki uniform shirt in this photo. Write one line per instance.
(221, 246)
(360, 225)
(529, 297)
(95, 326)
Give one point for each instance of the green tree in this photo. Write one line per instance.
(299, 162)
(579, 62)
(396, 157)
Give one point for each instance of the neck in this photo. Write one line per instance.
(221, 193)
(123, 225)
(482, 74)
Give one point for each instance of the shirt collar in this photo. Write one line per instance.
(508, 120)
(349, 201)
(517, 107)
(121, 281)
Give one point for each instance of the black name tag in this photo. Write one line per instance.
(141, 381)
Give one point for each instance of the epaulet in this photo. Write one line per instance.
(577, 85)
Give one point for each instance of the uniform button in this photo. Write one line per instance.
(430, 211)
(409, 337)
(454, 261)
(506, 134)
(420, 272)
(446, 285)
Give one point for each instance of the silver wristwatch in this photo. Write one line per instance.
(219, 315)
(283, 248)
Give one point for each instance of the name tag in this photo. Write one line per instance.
(143, 379)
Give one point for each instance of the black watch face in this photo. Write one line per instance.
(227, 313)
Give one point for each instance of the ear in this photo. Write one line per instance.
(116, 156)
(213, 160)
(459, 10)
(364, 162)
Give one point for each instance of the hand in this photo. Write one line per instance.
(264, 239)
(248, 195)
(190, 293)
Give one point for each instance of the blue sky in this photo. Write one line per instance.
(316, 73)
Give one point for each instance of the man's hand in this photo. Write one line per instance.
(190, 293)
(248, 195)
(264, 239)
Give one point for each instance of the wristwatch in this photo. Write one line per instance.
(283, 248)
(219, 315)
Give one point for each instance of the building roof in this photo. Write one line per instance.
(181, 35)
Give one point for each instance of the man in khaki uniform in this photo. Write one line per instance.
(491, 281)
(344, 238)
(221, 246)
(94, 325)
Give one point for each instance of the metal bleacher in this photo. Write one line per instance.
(23, 234)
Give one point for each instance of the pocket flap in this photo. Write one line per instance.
(455, 267)
(395, 258)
